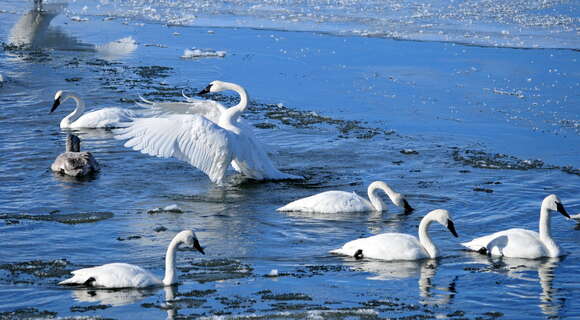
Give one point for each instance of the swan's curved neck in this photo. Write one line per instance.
(78, 111)
(425, 239)
(546, 233)
(170, 275)
(376, 201)
(232, 114)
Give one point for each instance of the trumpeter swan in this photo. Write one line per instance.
(342, 201)
(207, 145)
(103, 118)
(400, 246)
(124, 275)
(74, 162)
(522, 243)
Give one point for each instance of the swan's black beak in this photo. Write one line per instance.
(451, 227)
(55, 105)
(408, 208)
(561, 209)
(205, 91)
(197, 247)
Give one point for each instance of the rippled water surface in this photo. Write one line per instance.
(484, 132)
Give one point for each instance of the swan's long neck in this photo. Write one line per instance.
(376, 201)
(230, 117)
(78, 111)
(170, 274)
(425, 239)
(546, 233)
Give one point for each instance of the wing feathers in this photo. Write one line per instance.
(189, 138)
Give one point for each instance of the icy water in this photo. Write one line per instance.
(484, 132)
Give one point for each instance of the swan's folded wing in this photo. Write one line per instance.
(190, 138)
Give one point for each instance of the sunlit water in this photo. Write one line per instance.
(484, 132)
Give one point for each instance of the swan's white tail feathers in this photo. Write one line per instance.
(78, 277)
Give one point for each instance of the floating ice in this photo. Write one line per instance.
(78, 19)
(273, 273)
(170, 208)
(117, 48)
(199, 53)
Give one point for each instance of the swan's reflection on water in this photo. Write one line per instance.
(121, 297)
(519, 269)
(425, 270)
(114, 297)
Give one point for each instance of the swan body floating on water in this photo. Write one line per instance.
(74, 162)
(522, 243)
(124, 275)
(342, 201)
(207, 145)
(399, 246)
(104, 118)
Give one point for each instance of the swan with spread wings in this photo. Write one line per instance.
(209, 137)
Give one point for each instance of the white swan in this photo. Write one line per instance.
(342, 201)
(103, 118)
(522, 243)
(207, 145)
(74, 162)
(123, 275)
(399, 246)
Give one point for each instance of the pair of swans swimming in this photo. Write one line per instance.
(209, 137)
(514, 243)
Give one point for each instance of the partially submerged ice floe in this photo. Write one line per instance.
(66, 218)
(194, 53)
(173, 208)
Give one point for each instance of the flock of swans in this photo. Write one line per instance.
(212, 137)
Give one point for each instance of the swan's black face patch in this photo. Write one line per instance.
(197, 246)
(408, 208)
(451, 228)
(55, 105)
(359, 254)
(206, 90)
(561, 209)
(482, 250)
(90, 282)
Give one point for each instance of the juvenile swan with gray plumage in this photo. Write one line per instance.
(74, 162)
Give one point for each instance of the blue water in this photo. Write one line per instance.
(495, 130)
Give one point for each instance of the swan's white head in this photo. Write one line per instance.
(553, 203)
(189, 239)
(443, 217)
(59, 98)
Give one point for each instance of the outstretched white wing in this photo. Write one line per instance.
(207, 108)
(191, 138)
